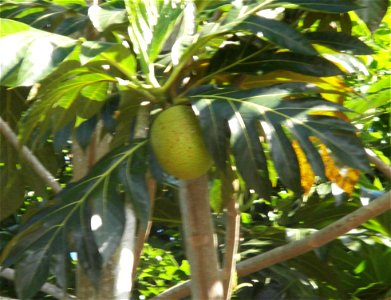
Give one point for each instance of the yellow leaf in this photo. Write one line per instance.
(346, 178)
(307, 175)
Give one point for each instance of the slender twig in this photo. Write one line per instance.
(296, 248)
(144, 228)
(379, 164)
(231, 246)
(47, 288)
(29, 157)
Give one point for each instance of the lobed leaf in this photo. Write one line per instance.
(267, 112)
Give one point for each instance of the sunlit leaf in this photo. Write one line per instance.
(333, 6)
(279, 119)
(103, 18)
(10, 27)
(278, 33)
(37, 54)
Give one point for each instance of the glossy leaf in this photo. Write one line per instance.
(284, 158)
(372, 12)
(278, 33)
(340, 42)
(117, 56)
(11, 27)
(277, 116)
(150, 25)
(332, 6)
(56, 106)
(37, 55)
(90, 212)
(250, 62)
(215, 131)
(103, 18)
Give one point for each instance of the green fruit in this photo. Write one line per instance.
(177, 142)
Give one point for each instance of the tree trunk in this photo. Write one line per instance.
(199, 238)
(116, 281)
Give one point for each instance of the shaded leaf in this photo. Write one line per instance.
(284, 157)
(89, 212)
(132, 175)
(339, 41)
(85, 131)
(372, 12)
(31, 273)
(215, 131)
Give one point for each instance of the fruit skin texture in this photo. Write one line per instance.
(177, 142)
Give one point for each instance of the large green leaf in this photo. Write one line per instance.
(30, 55)
(151, 23)
(103, 18)
(64, 17)
(250, 112)
(372, 12)
(339, 41)
(36, 263)
(332, 6)
(90, 213)
(77, 92)
(248, 56)
(11, 27)
(279, 33)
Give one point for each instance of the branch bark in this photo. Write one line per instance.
(379, 164)
(199, 239)
(231, 246)
(28, 156)
(293, 249)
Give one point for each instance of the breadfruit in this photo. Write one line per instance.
(177, 143)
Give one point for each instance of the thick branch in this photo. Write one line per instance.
(199, 239)
(294, 249)
(29, 157)
(47, 288)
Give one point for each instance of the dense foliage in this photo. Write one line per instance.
(287, 93)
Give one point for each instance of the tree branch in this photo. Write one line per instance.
(379, 164)
(199, 239)
(29, 157)
(144, 228)
(231, 246)
(296, 248)
(47, 288)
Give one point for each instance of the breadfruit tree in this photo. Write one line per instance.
(118, 103)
